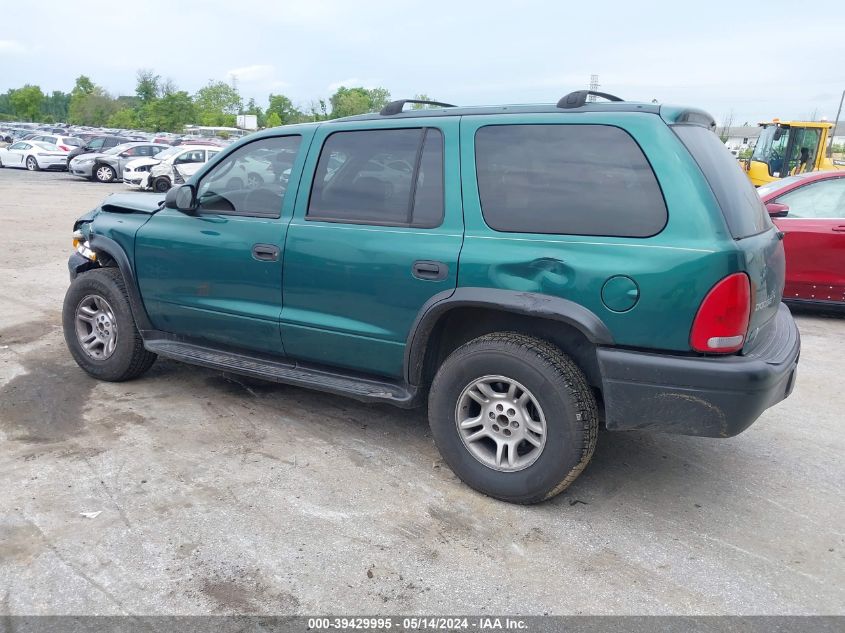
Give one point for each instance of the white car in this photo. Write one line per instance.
(172, 166)
(33, 155)
(64, 143)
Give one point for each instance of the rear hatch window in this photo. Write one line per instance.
(741, 206)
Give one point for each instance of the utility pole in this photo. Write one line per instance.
(835, 125)
(594, 85)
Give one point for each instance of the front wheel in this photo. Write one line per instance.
(161, 184)
(99, 328)
(104, 173)
(513, 417)
(32, 164)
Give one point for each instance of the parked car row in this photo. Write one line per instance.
(107, 155)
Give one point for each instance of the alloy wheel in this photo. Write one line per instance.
(96, 327)
(501, 423)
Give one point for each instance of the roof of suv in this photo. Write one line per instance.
(542, 108)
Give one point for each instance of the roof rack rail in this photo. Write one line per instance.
(395, 107)
(579, 98)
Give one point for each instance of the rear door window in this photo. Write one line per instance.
(740, 203)
(567, 179)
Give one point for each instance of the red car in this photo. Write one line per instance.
(810, 210)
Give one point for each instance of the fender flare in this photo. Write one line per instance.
(512, 301)
(114, 250)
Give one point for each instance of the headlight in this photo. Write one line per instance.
(83, 161)
(83, 247)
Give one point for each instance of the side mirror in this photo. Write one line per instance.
(777, 210)
(182, 198)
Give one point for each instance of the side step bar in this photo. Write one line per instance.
(362, 388)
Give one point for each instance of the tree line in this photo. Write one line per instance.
(159, 106)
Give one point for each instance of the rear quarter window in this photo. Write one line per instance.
(567, 179)
(739, 201)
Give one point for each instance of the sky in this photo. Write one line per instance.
(749, 61)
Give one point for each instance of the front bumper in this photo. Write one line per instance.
(136, 180)
(704, 396)
(83, 171)
(77, 264)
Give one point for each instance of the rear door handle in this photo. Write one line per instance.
(429, 270)
(840, 228)
(265, 252)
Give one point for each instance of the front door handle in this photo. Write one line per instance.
(265, 252)
(429, 270)
(840, 228)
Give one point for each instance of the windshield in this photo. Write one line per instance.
(172, 151)
(771, 147)
(118, 148)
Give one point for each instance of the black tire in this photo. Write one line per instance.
(253, 180)
(32, 164)
(560, 388)
(161, 184)
(104, 173)
(130, 359)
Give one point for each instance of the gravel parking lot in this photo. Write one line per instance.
(219, 494)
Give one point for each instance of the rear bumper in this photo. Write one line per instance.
(705, 396)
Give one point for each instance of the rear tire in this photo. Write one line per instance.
(100, 330)
(548, 423)
(161, 184)
(32, 164)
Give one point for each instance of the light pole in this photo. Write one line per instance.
(835, 125)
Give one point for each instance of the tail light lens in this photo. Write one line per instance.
(721, 323)
(64, 148)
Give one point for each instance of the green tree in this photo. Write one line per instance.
(285, 110)
(90, 104)
(5, 102)
(273, 120)
(124, 118)
(147, 87)
(83, 85)
(26, 102)
(350, 101)
(252, 108)
(172, 112)
(56, 105)
(379, 97)
(217, 104)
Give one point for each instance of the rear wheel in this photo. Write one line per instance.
(100, 330)
(161, 184)
(104, 173)
(32, 164)
(513, 417)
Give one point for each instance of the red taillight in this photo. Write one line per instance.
(64, 148)
(722, 320)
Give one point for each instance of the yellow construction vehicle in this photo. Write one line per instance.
(787, 148)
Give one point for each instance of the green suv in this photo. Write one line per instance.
(528, 272)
